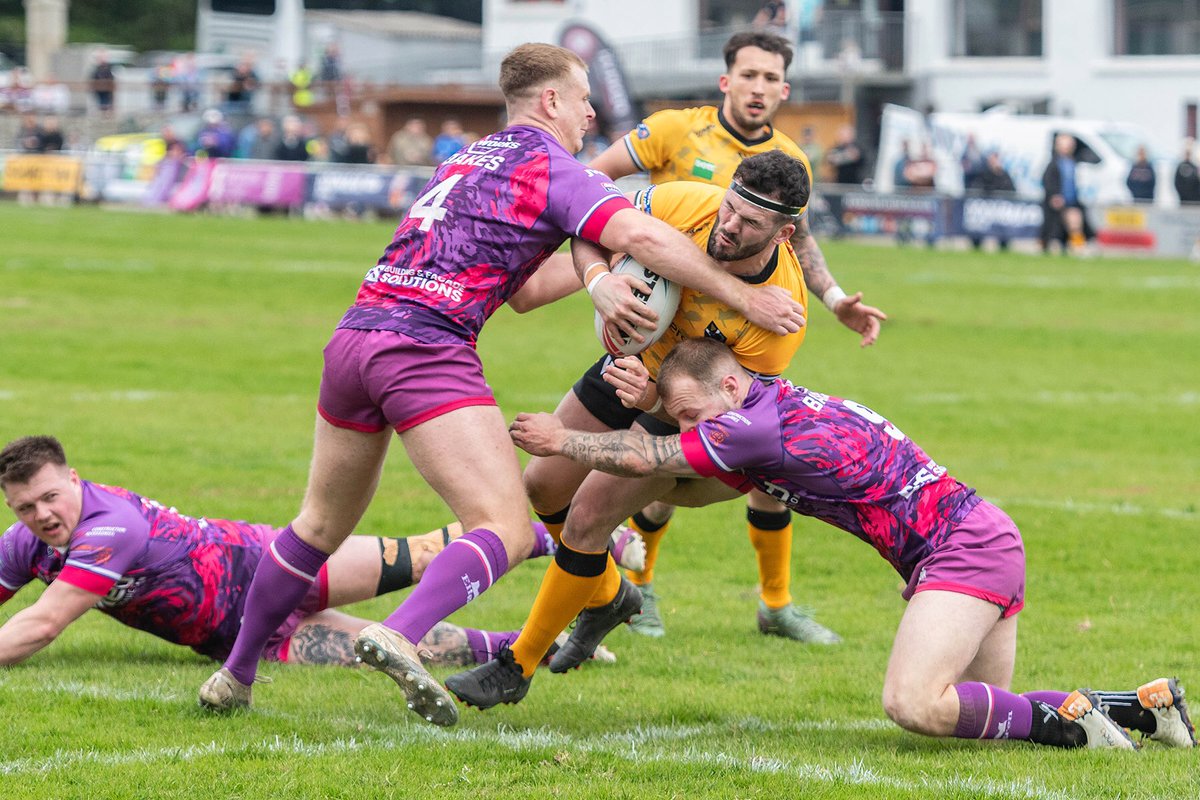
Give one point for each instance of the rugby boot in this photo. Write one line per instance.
(386, 650)
(500, 680)
(593, 624)
(628, 549)
(1083, 708)
(223, 692)
(649, 622)
(794, 622)
(1164, 699)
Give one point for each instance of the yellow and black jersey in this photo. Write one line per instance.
(696, 144)
(692, 208)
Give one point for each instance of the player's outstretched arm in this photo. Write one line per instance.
(615, 162)
(553, 280)
(629, 454)
(668, 252)
(35, 627)
(850, 310)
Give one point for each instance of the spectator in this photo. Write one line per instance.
(187, 75)
(301, 79)
(293, 144)
(846, 157)
(1187, 177)
(239, 95)
(449, 141)
(51, 96)
(339, 142)
(103, 83)
(772, 18)
(1064, 218)
(50, 138)
(594, 142)
(812, 148)
(171, 139)
(972, 161)
(29, 135)
(260, 140)
(411, 146)
(921, 172)
(1141, 178)
(900, 171)
(160, 86)
(331, 64)
(359, 149)
(215, 139)
(991, 179)
(20, 90)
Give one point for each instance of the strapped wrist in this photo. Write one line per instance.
(833, 295)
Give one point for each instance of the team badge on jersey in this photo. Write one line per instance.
(642, 131)
(703, 169)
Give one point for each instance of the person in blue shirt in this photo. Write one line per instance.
(1064, 218)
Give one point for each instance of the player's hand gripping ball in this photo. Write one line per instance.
(663, 299)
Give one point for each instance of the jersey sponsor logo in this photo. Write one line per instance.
(815, 400)
(707, 129)
(120, 594)
(703, 169)
(471, 586)
(716, 433)
(927, 474)
(713, 332)
(777, 492)
(419, 279)
(734, 416)
(105, 530)
(643, 132)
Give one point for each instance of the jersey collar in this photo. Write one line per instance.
(766, 137)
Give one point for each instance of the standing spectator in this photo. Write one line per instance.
(160, 86)
(812, 148)
(187, 75)
(921, 172)
(103, 83)
(51, 96)
(293, 144)
(772, 18)
(301, 79)
(993, 178)
(50, 137)
(339, 142)
(359, 149)
(1064, 218)
(331, 64)
(449, 141)
(1187, 177)
(29, 135)
(972, 161)
(239, 95)
(215, 139)
(1141, 178)
(260, 140)
(411, 146)
(846, 157)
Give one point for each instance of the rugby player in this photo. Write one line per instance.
(836, 460)
(403, 359)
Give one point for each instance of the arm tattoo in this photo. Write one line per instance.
(448, 646)
(816, 272)
(629, 454)
(321, 644)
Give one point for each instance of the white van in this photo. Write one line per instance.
(1105, 150)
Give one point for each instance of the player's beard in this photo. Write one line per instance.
(735, 251)
(753, 125)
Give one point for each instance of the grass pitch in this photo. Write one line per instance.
(179, 356)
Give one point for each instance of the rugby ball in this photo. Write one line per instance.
(663, 299)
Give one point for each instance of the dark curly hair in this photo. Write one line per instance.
(777, 175)
(21, 458)
(763, 41)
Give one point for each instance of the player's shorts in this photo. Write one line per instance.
(316, 600)
(983, 557)
(600, 399)
(373, 379)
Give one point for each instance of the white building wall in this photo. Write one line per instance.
(507, 24)
(1077, 71)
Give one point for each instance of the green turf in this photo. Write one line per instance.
(179, 356)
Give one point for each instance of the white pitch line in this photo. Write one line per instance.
(1112, 509)
(399, 738)
(1052, 398)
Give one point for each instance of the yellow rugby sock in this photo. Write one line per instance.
(570, 580)
(652, 534)
(610, 582)
(771, 535)
(554, 522)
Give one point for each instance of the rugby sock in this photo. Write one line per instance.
(985, 712)
(395, 565)
(284, 574)
(610, 583)
(554, 522)
(652, 534)
(464, 570)
(1047, 726)
(486, 644)
(569, 581)
(544, 543)
(771, 535)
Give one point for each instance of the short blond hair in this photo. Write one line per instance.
(533, 64)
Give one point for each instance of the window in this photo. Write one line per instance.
(997, 28)
(259, 7)
(1156, 27)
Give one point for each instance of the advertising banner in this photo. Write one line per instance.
(37, 172)
(257, 185)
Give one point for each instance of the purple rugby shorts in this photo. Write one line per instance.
(982, 557)
(373, 379)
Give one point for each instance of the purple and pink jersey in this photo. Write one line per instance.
(491, 214)
(181, 578)
(838, 461)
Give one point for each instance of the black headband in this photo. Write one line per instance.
(765, 202)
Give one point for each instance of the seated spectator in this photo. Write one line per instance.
(1141, 178)
(411, 145)
(215, 139)
(449, 141)
(50, 139)
(293, 145)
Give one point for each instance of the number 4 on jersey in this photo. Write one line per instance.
(428, 207)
